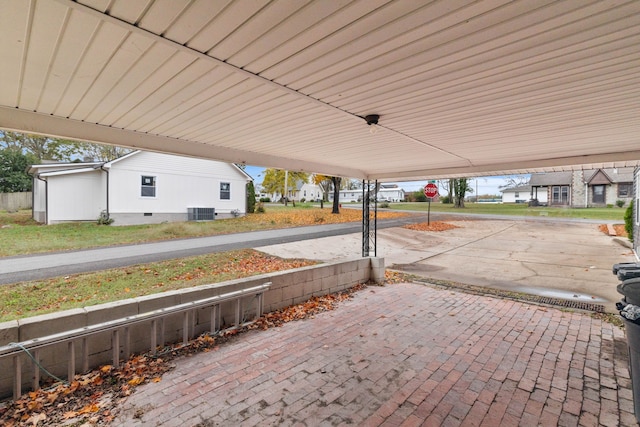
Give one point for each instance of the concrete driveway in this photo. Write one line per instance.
(569, 260)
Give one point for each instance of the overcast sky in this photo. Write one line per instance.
(484, 185)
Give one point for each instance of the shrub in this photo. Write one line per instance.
(104, 219)
(445, 199)
(384, 205)
(628, 221)
(260, 208)
(620, 203)
(265, 200)
(303, 200)
(609, 205)
(251, 197)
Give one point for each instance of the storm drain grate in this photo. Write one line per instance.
(479, 290)
(598, 308)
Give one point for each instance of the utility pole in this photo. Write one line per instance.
(286, 179)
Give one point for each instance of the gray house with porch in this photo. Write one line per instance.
(584, 188)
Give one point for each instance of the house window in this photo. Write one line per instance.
(517, 194)
(225, 191)
(148, 188)
(560, 195)
(624, 189)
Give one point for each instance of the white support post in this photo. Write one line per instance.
(127, 343)
(71, 364)
(154, 336)
(85, 355)
(115, 348)
(238, 311)
(185, 327)
(36, 369)
(17, 377)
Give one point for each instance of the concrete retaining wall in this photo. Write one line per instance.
(288, 287)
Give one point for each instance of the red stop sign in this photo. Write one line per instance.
(431, 190)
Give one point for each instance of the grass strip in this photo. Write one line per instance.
(63, 293)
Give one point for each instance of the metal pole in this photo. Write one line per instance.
(286, 178)
(375, 221)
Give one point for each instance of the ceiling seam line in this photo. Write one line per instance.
(135, 29)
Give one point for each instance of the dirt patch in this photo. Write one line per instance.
(433, 226)
(619, 229)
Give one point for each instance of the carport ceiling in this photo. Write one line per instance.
(462, 88)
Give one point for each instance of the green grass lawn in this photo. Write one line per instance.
(518, 209)
(19, 234)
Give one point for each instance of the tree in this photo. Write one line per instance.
(448, 185)
(101, 152)
(41, 147)
(251, 197)
(460, 187)
(512, 181)
(13, 171)
(335, 180)
(273, 181)
(324, 182)
(62, 150)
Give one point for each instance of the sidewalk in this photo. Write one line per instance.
(409, 355)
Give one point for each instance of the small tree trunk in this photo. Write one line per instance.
(336, 194)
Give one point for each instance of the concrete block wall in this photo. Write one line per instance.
(288, 287)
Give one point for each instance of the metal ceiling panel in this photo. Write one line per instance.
(462, 88)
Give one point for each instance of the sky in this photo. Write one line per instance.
(484, 185)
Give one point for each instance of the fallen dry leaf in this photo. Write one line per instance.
(433, 226)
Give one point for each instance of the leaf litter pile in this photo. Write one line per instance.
(433, 226)
(91, 398)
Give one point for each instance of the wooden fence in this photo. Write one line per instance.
(15, 201)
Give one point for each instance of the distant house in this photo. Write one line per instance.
(390, 193)
(139, 188)
(386, 193)
(347, 196)
(554, 187)
(308, 192)
(594, 187)
(520, 194)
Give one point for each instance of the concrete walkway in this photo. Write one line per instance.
(570, 260)
(403, 355)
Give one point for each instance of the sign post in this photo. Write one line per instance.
(431, 191)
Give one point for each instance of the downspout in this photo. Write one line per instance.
(46, 199)
(107, 172)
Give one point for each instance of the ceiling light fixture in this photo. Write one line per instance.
(372, 120)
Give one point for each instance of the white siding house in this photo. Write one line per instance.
(390, 193)
(308, 192)
(521, 194)
(139, 188)
(347, 196)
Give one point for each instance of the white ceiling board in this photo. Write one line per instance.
(463, 88)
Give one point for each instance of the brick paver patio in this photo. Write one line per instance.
(404, 355)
